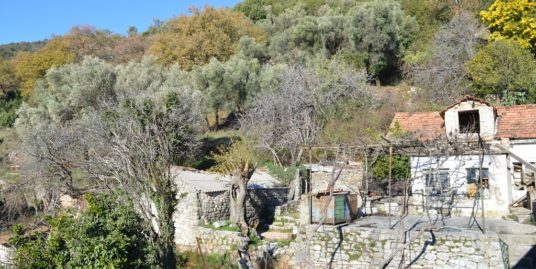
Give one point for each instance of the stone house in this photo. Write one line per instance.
(320, 175)
(203, 198)
(503, 168)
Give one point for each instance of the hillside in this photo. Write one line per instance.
(102, 118)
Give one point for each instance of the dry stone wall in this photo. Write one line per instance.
(361, 247)
(220, 242)
(261, 203)
(214, 206)
(349, 180)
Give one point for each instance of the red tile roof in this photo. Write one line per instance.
(516, 121)
(421, 125)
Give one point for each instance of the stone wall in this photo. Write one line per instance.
(219, 242)
(196, 209)
(214, 206)
(6, 254)
(261, 204)
(186, 219)
(361, 247)
(349, 180)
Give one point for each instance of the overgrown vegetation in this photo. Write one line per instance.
(95, 110)
(108, 235)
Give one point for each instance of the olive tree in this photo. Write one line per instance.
(382, 31)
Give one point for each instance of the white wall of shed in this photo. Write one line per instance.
(498, 202)
(486, 116)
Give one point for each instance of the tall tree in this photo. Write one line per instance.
(30, 67)
(501, 69)
(195, 39)
(512, 19)
(382, 31)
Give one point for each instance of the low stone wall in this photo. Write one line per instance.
(196, 209)
(219, 242)
(361, 247)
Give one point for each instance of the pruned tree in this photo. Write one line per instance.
(240, 162)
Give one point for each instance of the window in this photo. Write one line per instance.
(437, 181)
(469, 121)
(473, 181)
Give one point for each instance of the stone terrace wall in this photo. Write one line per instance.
(261, 203)
(219, 242)
(214, 206)
(186, 219)
(363, 247)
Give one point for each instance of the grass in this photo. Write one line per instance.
(191, 260)
(228, 226)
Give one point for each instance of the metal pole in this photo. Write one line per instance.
(366, 174)
(390, 168)
(481, 191)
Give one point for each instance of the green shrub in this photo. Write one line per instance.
(284, 173)
(8, 111)
(191, 259)
(400, 167)
(108, 235)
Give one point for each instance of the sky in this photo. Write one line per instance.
(32, 20)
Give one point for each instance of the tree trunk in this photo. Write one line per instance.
(295, 188)
(216, 119)
(238, 204)
(165, 206)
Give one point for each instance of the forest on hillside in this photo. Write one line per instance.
(93, 112)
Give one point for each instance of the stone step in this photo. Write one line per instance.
(283, 223)
(285, 219)
(276, 236)
(281, 226)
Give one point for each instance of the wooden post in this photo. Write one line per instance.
(201, 253)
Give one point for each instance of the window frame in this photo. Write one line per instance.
(439, 185)
(471, 117)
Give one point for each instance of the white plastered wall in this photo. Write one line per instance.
(497, 203)
(486, 115)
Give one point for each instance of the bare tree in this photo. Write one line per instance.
(442, 74)
(281, 120)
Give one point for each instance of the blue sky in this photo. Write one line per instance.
(30, 20)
